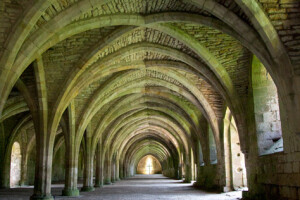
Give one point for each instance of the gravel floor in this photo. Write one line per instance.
(139, 187)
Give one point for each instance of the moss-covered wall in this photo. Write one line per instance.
(208, 177)
(266, 109)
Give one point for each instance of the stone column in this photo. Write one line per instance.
(188, 169)
(117, 169)
(121, 171)
(99, 167)
(43, 167)
(180, 172)
(72, 153)
(113, 172)
(198, 163)
(44, 137)
(88, 167)
(23, 170)
(188, 173)
(107, 167)
(2, 154)
(71, 172)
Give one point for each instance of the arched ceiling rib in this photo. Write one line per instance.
(139, 74)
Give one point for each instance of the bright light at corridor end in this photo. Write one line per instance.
(148, 165)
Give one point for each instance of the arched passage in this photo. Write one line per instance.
(235, 169)
(266, 110)
(134, 78)
(15, 165)
(148, 165)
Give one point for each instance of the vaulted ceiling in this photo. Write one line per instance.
(140, 70)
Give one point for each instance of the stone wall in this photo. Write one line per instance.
(208, 177)
(58, 166)
(266, 108)
(275, 175)
(284, 15)
(212, 147)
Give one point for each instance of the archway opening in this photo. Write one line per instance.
(149, 165)
(266, 110)
(236, 176)
(212, 147)
(15, 165)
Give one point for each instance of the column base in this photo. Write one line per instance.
(187, 181)
(258, 196)
(87, 189)
(196, 184)
(245, 194)
(107, 183)
(41, 197)
(227, 189)
(98, 186)
(70, 192)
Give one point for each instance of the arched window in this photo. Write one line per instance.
(15, 165)
(201, 160)
(266, 109)
(212, 147)
(236, 178)
(149, 165)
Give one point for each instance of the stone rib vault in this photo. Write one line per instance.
(210, 88)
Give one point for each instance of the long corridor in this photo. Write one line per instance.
(139, 187)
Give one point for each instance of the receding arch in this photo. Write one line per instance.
(235, 169)
(266, 110)
(15, 165)
(148, 165)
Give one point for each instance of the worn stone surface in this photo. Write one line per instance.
(209, 88)
(137, 187)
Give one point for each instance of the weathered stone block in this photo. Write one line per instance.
(264, 127)
(288, 168)
(276, 126)
(269, 116)
(296, 167)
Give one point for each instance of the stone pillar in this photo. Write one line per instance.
(99, 167)
(113, 172)
(44, 137)
(23, 169)
(176, 171)
(188, 169)
(24, 157)
(43, 167)
(88, 167)
(2, 154)
(188, 173)
(117, 170)
(198, 163)
(121, 171)
(107, 167)
(72, 153)
(71, 172)
(180, 172)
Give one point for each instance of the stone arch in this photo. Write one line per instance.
(235, 170)
(148, 165)
(266, 110)
(15, 165)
